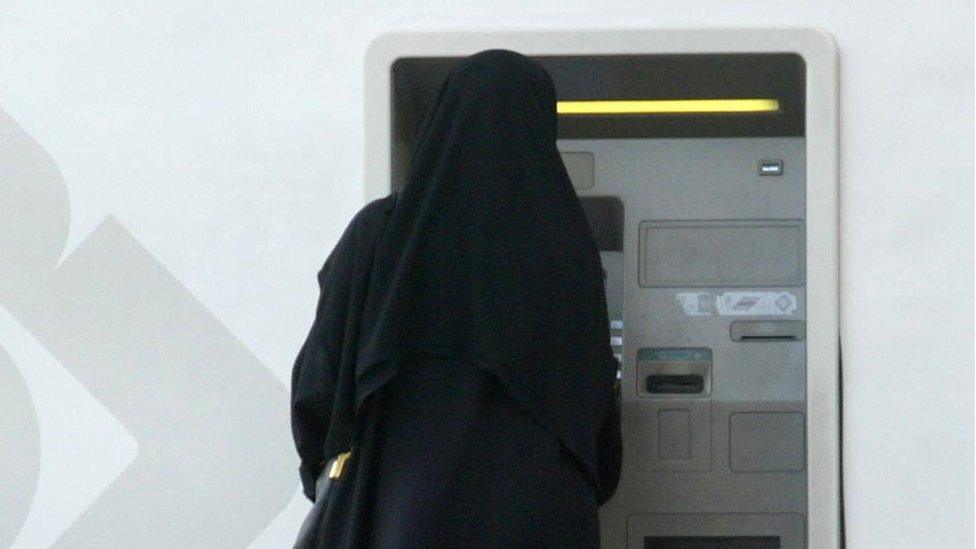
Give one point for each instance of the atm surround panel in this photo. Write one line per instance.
(713, 366)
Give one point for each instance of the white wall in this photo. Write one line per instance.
(225, 142)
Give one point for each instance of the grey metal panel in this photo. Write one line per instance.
(579, 167)
(704, 183)
(721, 253)
(674, 435)
(766, 442)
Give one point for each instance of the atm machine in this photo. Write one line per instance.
(706, 163)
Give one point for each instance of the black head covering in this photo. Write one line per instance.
(487, 256)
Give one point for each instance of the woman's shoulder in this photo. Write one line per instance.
(369, 214)
(368, 219)
(377, 207)
(361, 230)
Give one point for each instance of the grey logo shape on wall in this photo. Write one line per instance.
(20, 458)
(215, 462)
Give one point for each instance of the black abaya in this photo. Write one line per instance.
(462, 466)
(461, 343)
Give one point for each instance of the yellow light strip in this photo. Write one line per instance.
(667, 106)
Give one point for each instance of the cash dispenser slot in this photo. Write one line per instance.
(745, 331)
(712, 542)
(678, 384)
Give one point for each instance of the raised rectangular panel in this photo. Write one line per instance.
(765, 442)
(674, 434)
(579, 168)
(721, 253)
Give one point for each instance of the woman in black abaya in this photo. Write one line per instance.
(460, 347)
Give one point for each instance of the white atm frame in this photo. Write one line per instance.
(820, 56)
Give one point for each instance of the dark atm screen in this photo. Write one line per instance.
(713, 542)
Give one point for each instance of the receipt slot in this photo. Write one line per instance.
(706, 164)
